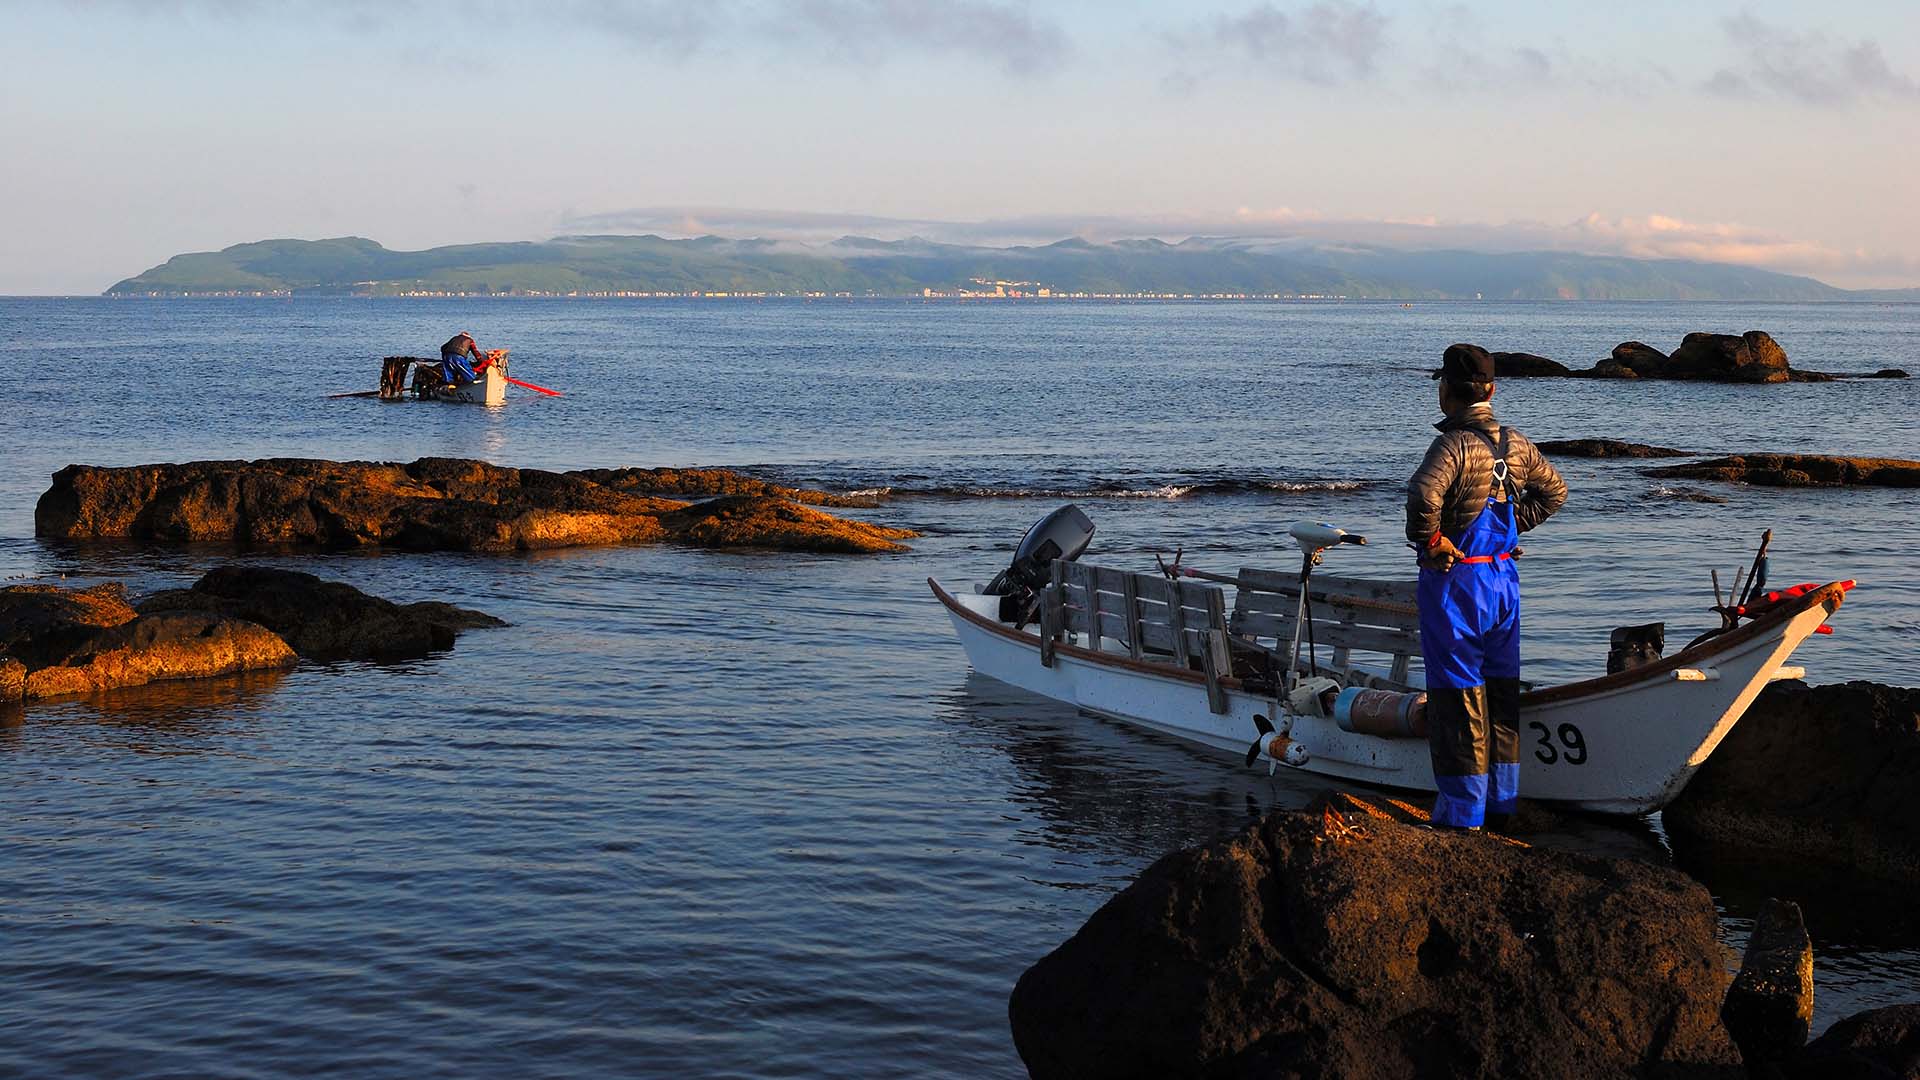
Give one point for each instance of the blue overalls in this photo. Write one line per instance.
(1470, 643)
(454, 368)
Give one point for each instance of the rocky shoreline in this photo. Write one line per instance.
(442, 504)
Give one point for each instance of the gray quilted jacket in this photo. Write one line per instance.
(1451, 486)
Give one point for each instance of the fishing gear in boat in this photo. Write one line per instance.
(429, 381)
(1314, 538)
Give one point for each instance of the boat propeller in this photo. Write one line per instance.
(1280, 750)
(1259, 742)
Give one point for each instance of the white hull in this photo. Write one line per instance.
(1623, 744)
(489, 389)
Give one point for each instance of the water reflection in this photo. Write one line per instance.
(159, 718)
(1101, 785)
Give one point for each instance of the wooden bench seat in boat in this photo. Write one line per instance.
(1186, 623)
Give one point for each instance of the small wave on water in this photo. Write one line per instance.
(1679, 493)
(956, 484)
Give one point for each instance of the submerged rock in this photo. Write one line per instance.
(1823, 773)
(1799, 470)
(1887, 373)
(431, 504)
(1605, 448)
(1339, 942)
(77, 641)
(707, 483)
(322, 620)
(766, 521)
(1519, 365)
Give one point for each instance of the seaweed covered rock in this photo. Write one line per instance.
(1340, 942)
(322, 620)
(1824, 773)
(1799, 470)
(1605, 448)
(766, 521)
(74, 641)
(431, 504)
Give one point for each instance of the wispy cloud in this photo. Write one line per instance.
(1006, 35)
(869, 31)
(1810, 67)
(1330, 42)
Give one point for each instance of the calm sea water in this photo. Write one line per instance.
(746, 813)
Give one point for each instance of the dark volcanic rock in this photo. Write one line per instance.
(1605, 448)
(322, 620)
(1750, 357)
(1826, 773)
(1799, 470)
(1770, 1004)
(61, 641)
(1336, 942)
(431, 504)
(1639, 358)
(1887, 373)
(1880, 1044)
(1519, 365)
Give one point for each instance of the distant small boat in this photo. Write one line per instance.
(489, 389)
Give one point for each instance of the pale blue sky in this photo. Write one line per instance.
(1776, 134)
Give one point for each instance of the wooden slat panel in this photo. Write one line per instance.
(1334, 635)
(1399, 593)
(1130, 601)
(1274, 605)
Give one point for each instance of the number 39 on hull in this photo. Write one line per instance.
(1166, 654)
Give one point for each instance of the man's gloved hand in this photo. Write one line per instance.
(1441, 554)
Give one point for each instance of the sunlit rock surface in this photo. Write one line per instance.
(430, 504)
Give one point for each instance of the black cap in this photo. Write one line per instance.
(1470, 363)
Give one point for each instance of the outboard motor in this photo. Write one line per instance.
(1063, 534)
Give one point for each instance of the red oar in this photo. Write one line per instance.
(530, 386)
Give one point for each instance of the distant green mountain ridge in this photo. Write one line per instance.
(862, 266)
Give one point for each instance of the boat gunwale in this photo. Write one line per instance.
(1831, 595)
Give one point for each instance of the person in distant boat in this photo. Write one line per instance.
(457, 358)
(1480, 486)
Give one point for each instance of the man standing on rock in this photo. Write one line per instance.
(1478, 489)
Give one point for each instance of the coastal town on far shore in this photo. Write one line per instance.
(974, 289)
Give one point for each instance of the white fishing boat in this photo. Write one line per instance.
(488, 388)
(1215, 662)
